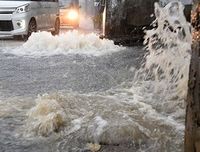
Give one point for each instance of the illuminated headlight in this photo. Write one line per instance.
(72, 15)
(23, 9)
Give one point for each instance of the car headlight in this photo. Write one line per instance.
(72, 15)
(23, 9)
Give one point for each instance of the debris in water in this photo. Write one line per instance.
(93, 147)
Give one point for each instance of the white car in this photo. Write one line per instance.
(22, 17)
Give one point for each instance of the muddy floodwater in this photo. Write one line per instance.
(78, 93)
(93, 96)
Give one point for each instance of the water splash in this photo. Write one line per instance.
(169, 46)
(46, 117)
(71, 42)
(101, 119)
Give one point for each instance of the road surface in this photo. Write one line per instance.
(63, 101)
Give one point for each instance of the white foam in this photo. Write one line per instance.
(101, 124)
(169, 45)
(46, 117)
(71, 42)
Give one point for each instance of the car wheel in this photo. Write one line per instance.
(32, 27)
(57, 27)
(76, 26)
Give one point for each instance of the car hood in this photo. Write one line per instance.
(64, 9)
(12, 4)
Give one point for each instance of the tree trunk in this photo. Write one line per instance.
(192, 130)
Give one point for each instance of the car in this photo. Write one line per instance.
(23, 17)
(69, 13)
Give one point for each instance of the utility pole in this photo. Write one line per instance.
(192, 124)
(108, 4)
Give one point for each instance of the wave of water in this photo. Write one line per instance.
(169, 46)
(72, 42)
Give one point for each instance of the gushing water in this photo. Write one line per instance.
(169, 46)
(72, 42)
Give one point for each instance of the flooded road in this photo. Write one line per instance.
(21, 75)
(78, 93)
(63, 102)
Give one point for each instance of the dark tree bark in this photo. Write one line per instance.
(192, 130)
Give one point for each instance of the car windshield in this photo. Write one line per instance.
(64, 3)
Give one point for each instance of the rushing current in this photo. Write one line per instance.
(75, 92)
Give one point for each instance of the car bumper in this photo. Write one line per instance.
(13, 33)
(64, 21)
(14, 24)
